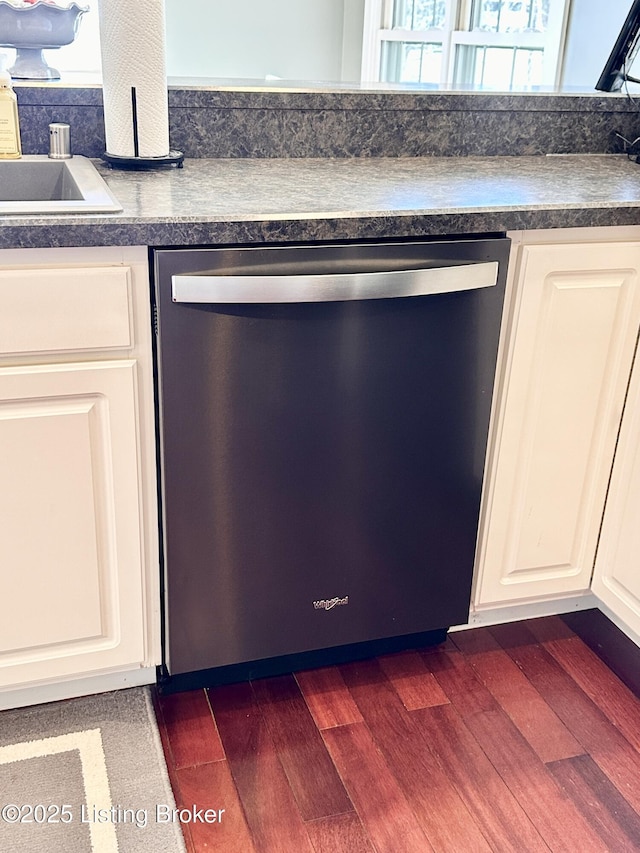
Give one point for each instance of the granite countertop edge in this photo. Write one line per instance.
(250, 201)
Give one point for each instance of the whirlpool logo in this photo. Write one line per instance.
(330, 603)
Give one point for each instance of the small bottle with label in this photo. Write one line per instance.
(10, 148)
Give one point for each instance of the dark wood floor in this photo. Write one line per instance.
(513, 738)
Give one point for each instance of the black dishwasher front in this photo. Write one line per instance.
(323, 414)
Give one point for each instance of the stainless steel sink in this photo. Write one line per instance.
(36, 184)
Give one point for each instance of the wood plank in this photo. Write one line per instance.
(342, 833)
(405, 754)
(171, 770)
(554, 816)
(162, 731)
(328, 697)
(412, 681)
(548, 628)
(190, 727)
(494, 808)
(397, 733)
(268, 802)
(511, 635)
(383, 809)
(515, 694)
(608, 747)
(210, 786)
(300, 747)
(619, 652)
(600, 802)
(601, 685)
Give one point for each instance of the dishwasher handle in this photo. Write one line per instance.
(331, 287)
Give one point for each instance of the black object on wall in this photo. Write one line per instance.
(615, 71)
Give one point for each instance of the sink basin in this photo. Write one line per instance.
(35, 184)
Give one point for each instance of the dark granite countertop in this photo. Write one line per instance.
(250, 200)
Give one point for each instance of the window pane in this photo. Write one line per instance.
(410, 62)
(510, 16)
(502, 68)
(527, 68)
(419, 14)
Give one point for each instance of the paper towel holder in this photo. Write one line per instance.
(173, 158)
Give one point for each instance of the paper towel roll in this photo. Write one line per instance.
(132, 39)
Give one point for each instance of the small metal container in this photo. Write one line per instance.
(59, 141)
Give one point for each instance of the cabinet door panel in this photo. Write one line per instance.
(616, 580)
(52, 591)
(72, 597)
(575, 330)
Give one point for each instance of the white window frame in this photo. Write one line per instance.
(378, 29)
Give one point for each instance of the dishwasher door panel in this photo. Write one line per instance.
(322, 468)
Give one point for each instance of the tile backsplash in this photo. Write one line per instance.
(207, 122)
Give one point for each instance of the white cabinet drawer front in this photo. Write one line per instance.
(575, 331)
(64, 310)
(71, 592)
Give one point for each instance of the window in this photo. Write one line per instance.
(479, 44)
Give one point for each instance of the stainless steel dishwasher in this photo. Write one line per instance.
(323, 414)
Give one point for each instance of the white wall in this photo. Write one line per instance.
(352, 39)
(593, 29)
(83, 55)
(322, 41)
(290, 39)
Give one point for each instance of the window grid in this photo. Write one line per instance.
(469, 33)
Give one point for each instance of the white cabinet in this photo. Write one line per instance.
(78, 528)
(79, 577)
(574, 324)
(616, 579)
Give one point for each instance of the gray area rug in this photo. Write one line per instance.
(86, 776)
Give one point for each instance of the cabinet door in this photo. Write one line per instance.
(71, 600)
(577, 312)
(616, 579)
